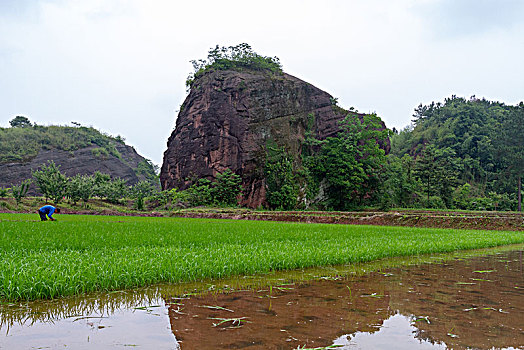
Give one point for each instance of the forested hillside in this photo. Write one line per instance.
(463, 153)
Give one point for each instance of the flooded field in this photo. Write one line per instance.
(460, 301)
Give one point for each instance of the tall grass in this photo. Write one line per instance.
(86, 253)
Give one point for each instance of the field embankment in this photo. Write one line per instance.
(413, 218)
(80, 253)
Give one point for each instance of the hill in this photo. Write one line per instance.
(77, 150)
(480, 145)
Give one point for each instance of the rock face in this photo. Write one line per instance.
(230, 117)
(81, 161)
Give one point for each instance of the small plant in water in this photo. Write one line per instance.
(235, 322)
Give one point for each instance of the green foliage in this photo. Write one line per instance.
(350, 165)
(236, 57)
(4, 192)
(482, 143)
(226, 188)
(169, 199)
(437, 169)
(281, 179)
(89, 253)
(20, 122)
(21, 144)
(200, 193)
(400, 184)
(100, 153)
(100, 181)
(50, 181)
(114, 190)
(80, 187)
(139, 192)
(147, 170)
(20, 191)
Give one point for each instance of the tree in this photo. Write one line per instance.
(51, 182)
(80, 187)
(101, 181)
(116, 189)
(352, 162)
(240, 56)
(20, 122)
(226, 188)
(200, 193)
(510, 143)
(399, 182)
(437, 169)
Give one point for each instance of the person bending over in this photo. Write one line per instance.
(48, 210)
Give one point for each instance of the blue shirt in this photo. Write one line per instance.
(47, 209)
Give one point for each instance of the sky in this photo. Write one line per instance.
(121, 65)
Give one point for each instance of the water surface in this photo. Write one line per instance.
(468, 300)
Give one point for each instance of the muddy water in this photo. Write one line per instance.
(461, 301)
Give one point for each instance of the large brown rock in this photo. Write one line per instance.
(230, 117)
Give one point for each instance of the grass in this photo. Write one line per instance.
(79, 253)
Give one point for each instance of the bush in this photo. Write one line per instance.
(4, 192)
(240, 56)
(20, 191)
(200, 193)
(226, 188)
(139, 192)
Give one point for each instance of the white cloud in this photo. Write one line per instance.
(121, 65)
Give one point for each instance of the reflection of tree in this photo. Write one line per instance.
(466, 309)
(48, 311)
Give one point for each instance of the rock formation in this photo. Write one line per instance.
(230, 117)
(81, 161)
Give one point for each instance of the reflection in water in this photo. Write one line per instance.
(463, 300)
(395, 333)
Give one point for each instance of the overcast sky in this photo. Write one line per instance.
(121, 65)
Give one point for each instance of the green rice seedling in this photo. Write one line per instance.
(79, 254)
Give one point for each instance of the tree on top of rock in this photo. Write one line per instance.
(240, 56)
(20, 122)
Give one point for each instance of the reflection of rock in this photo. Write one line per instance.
(294, 315)
(433, 296)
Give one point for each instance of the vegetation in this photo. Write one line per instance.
(466, 154)
(85, 253)
(51, 182)
(23, 140)
(351, 163)
(237, 57)
(282, 179)
(20, 191)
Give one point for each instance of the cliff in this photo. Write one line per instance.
(230, 118)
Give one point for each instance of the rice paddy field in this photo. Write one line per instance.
(82, 253)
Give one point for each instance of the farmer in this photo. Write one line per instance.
(47, 210)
